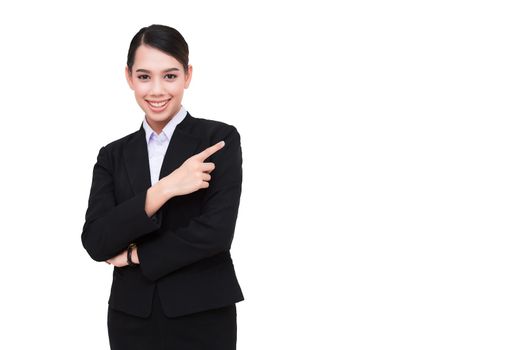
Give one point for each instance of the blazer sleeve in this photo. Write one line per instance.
(212, 231)
(110, 227)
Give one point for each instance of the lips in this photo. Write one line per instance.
(158, 106)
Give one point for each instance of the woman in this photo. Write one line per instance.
(162, 210)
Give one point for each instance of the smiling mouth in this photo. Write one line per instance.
(158, 104)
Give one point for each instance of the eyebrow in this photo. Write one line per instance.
(164, 71)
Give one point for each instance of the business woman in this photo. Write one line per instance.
(162, 210)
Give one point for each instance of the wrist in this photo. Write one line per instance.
(163, 191)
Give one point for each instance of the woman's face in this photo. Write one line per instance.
(158, 81)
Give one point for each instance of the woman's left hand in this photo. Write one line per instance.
(119, 260)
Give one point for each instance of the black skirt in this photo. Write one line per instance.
(211, 329)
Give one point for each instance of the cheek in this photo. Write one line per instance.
(177, 88)
(141, 90)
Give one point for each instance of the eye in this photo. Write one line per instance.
(171, 76)
(142, 76)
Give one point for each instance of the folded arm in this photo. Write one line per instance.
(110, 227)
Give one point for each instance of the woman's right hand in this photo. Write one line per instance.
(192, 175)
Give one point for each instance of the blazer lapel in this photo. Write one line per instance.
(182, 145)
(137, 161)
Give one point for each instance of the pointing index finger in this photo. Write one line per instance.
(210, 150)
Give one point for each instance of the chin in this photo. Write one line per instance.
(158, 118)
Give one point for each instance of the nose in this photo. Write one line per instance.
(157, 88)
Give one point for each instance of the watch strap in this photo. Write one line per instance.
(130, 249)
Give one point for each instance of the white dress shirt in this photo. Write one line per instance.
(158, 143)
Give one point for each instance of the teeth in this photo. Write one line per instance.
(158, 104)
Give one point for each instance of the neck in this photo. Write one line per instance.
(157, 126)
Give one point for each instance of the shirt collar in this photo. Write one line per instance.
(168, 128)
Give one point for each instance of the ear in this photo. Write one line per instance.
(128, 77)
(188, 76)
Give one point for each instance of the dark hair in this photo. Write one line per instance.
(164, 38)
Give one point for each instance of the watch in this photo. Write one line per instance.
(130, 248)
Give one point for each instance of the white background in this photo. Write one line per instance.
(383, 192)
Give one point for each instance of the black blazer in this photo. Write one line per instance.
(184, 249)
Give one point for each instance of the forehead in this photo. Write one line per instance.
(153, 59)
